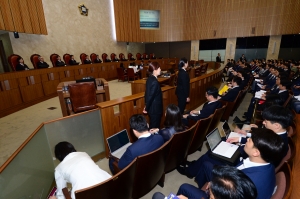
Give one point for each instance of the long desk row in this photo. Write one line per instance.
(114, 122)
(21, 89)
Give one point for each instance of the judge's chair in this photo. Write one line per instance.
(83, 57)
(67, 58)
(53, 59)
(130, 56)
(13, 61)
(93, 57)
(138, 56)
(83, 96)
(34, 60)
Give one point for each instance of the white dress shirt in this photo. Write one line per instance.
(80, 170)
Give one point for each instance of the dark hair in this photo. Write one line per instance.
(278, 114)
(173, 118)
(285, 82)
(182, 62)
(269, 144)
(230, 183)
(237, 80)
(19, 58)
(139, 123)
(153, 66)
(63, 149)
(71, 56)
(212, 91)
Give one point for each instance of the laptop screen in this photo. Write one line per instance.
(226, 129)
(117, 141)
(213, 138)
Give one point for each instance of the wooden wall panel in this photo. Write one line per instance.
(41, 16)
(6, 15)
(34, 17)
(26, 16)
(16, 15)
(182, 20)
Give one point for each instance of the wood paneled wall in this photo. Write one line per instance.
(182, 20)
(25, 16)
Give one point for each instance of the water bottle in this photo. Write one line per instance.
(69, 103)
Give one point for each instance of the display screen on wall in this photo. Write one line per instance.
(149, 19)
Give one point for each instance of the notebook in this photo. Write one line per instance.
(118, 143)
(218, 146)
(228, 132)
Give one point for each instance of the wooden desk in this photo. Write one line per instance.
(102, 93)
(139, 86)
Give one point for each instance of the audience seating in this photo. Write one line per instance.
(239, 100)
(172, 80)
(53, 59)
(83, 96)
(83, 57)
(201, 61)
(289, 156)
(131, 74)
(216, 118)
(93, 57)
(200, 133)
(13, 61)
(138, 56)
(121, 74)
(34, 60)
(118, 186)
(288, 100)
(67, 58)
(283, 183)
(203, 69)
(229, 108)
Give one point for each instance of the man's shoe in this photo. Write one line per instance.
(244, 116)
(182, 171)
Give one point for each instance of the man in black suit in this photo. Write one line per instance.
(146, 142)
(97, 60)
(243, 58)
(21, 66)
(218, 58)
(87, 60)
(73, 61)
(231, 95)
(208, 108)
(58, 62)
(41, 63)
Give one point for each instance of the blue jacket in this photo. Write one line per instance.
(231, 95)
(206, 111)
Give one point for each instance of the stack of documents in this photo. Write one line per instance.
(258, 94)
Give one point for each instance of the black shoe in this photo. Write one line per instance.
(244, 116)
(182, 171)
(189, 163)
(245, 113)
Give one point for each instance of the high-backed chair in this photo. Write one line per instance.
(149, 171)
(13, 61)
(289, 156)
(287, 100)
(229, 108)
(113, 57)
(179, 148)
(203, 68)
(93, 57)
(104, 57)
(145, 56)
(53, 59)
(172, 80)
(118, 186)
(284, 183)
(201, 61)
(121, 74)
(138, 56)
(200, 133)
(83, 57)
(216, 118)
(83, 96)
(121, 56)
(131, 74)
(67, 58)
(130, 56)
(34, 60)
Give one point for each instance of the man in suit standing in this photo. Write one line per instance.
(218, 58)
(264, 148)
(183, 85)
(208, 108)
(231, 95)
(41, 63)
(146, 142)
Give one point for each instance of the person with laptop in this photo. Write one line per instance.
(208, 108)
(264, 148)
(146, 142)
(227, 182)
(76, 168)
(231, 95)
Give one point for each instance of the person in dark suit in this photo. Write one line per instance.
(87, 60)
(97, 60)
(172, 123)
(183, 85)
(21, 65)
(123, 58)
(231, 95)
(41, 63)
(146, 142)
(59, 62)
(153, 96)
(243, 58)
(208, 108)
(218, 58)
(227, 182)
(264, 148)
(153, 56)
(73, 61)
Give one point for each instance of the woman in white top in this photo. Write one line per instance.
(76, 168)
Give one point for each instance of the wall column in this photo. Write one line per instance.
(230, 49)
(274, 47)
(194, 50)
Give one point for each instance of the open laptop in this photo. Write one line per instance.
(230, 133)
(221, 150)
(118, 143)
